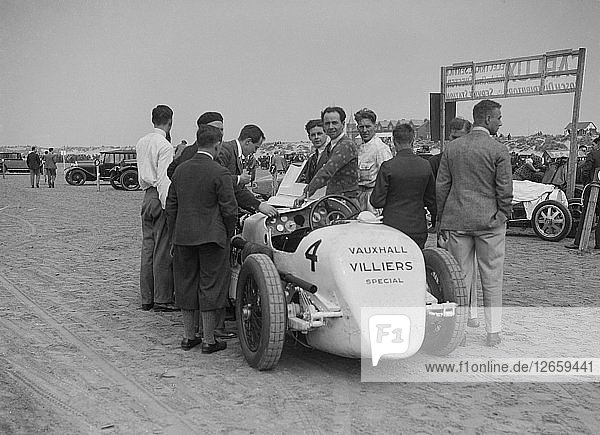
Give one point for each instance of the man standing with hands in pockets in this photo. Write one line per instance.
(474, 195)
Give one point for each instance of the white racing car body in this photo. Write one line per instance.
(311, 270)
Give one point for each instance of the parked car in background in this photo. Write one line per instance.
(12, 162)
(83, 171)
(125, 175)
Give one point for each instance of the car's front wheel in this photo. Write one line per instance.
(115, 182)
(445, 282)
(260, 312)
(129, 180)
(76, 177)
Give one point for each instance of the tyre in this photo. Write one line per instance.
(115, 182)
(260, 311)
(76, 177)
(3, 169)
(551, 221)
(129, 180)
(445, 282)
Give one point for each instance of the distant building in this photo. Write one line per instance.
(583, 128)
(421, 126)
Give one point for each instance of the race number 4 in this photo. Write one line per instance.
(311, 254)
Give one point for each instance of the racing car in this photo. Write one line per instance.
(544, 207)
(311, 270)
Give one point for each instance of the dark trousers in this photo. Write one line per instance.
(199, 275)
(419, 239)
(34, 177)
(156, 271)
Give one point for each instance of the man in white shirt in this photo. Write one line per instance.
(154, 154)
(371, 154)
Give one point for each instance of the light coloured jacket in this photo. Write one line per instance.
(474, 184)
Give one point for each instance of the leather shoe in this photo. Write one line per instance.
(473, 323)
(187, 344)
(165, 307)
(493, 339)
(215, 347)
(571, 246)
(147, 307)
(224, 334)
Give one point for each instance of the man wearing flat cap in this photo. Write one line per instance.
(214, 119)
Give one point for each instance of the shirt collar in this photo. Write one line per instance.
(204, 152)
(239, 148)
(335, 141)
(160, 131)
(479, 128)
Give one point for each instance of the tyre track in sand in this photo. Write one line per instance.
(155, 409)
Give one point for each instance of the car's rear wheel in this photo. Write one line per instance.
(260, 312)
(445, 282)
(129, 180)
(3, 169)
(551, 220)
(76, 177)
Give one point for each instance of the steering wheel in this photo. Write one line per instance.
(331, 208)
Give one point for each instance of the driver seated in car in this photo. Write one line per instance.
(340, 173)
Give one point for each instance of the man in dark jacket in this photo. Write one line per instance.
(340, 173)
(316, 134)
(202, 213)
(34, 163)
(404, 187)
(592, 162)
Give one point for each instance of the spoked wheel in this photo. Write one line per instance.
(260, 312)
(76, 177)
(129, 180)
(445, 282)
(551, 220)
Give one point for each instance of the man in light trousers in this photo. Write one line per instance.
(474, 195)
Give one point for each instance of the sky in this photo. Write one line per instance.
(88, 73)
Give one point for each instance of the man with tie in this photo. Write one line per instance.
(232, 155)
(340, 173)
(316, 134)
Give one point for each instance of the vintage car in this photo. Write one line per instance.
(311, 270)
(83, 171)
(544, 207)
(12, 162)
(125, 175)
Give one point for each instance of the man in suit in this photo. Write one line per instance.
(231, 155)
(34, 163)
(202, 214)
(340, 173)
(316, 134)
(214, 119)
(404, 187)
(50, 160)
(474, 194)
(592, 161)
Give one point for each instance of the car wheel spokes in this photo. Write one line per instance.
(252, 323)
